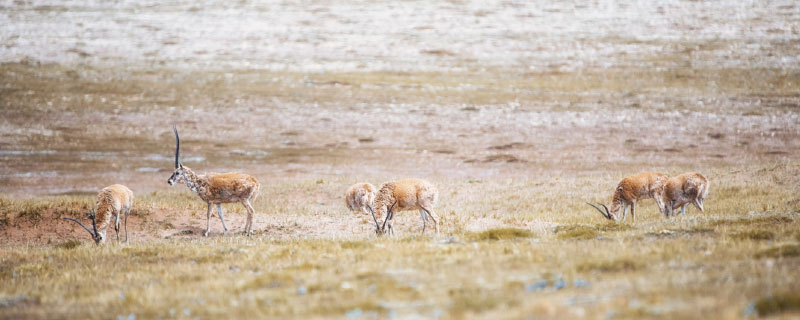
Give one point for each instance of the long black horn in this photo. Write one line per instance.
(601, 211)
(373, 217)
(94, 221)
(388, 216)
(177, 146)
(78, 222)
(608, 214)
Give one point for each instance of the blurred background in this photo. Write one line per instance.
(386, 89)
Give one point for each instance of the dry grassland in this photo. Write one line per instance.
(519, 118)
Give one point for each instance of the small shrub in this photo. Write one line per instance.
(778, 303)
(784, 251)
(503, 234)
(579, 232)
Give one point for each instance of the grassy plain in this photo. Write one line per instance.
(518, 129)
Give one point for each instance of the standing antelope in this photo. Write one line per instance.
(217, 188)
(630, 189)
(403, 195)
(114, 200)
(683, 189)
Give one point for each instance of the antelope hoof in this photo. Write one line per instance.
(205, 234)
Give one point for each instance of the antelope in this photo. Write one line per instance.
(114, 200)
(683, 189)
(630, 189)
(359, 197)
(217, 188)
(404, 195)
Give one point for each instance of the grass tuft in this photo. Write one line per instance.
(355, 244)
(35, 270)
(580, 232)
(625, 264)
(69, 245)
(268, 281)
(141, 211)
(4, 220)
(476, 300)
(777, 303)
(503, 234)
(32, 212)
(748, 221)
(754, 235)
(66, 208)
(614, 226)
(784, 251)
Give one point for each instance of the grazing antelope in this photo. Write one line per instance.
(217, 188)
(403, 195)
(630, 189)
(114, 200)
(360, 197)
(684, 189)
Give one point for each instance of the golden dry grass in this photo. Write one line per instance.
(658, 267)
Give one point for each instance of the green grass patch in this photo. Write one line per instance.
(777, 303)
(579, 232)
(784, 251)
(502, 234)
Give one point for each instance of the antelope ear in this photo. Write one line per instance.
(180, 165)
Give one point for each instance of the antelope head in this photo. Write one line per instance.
(177, 175)
(605, 214)
(377, 226)
(98, 237)
(379, 230)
